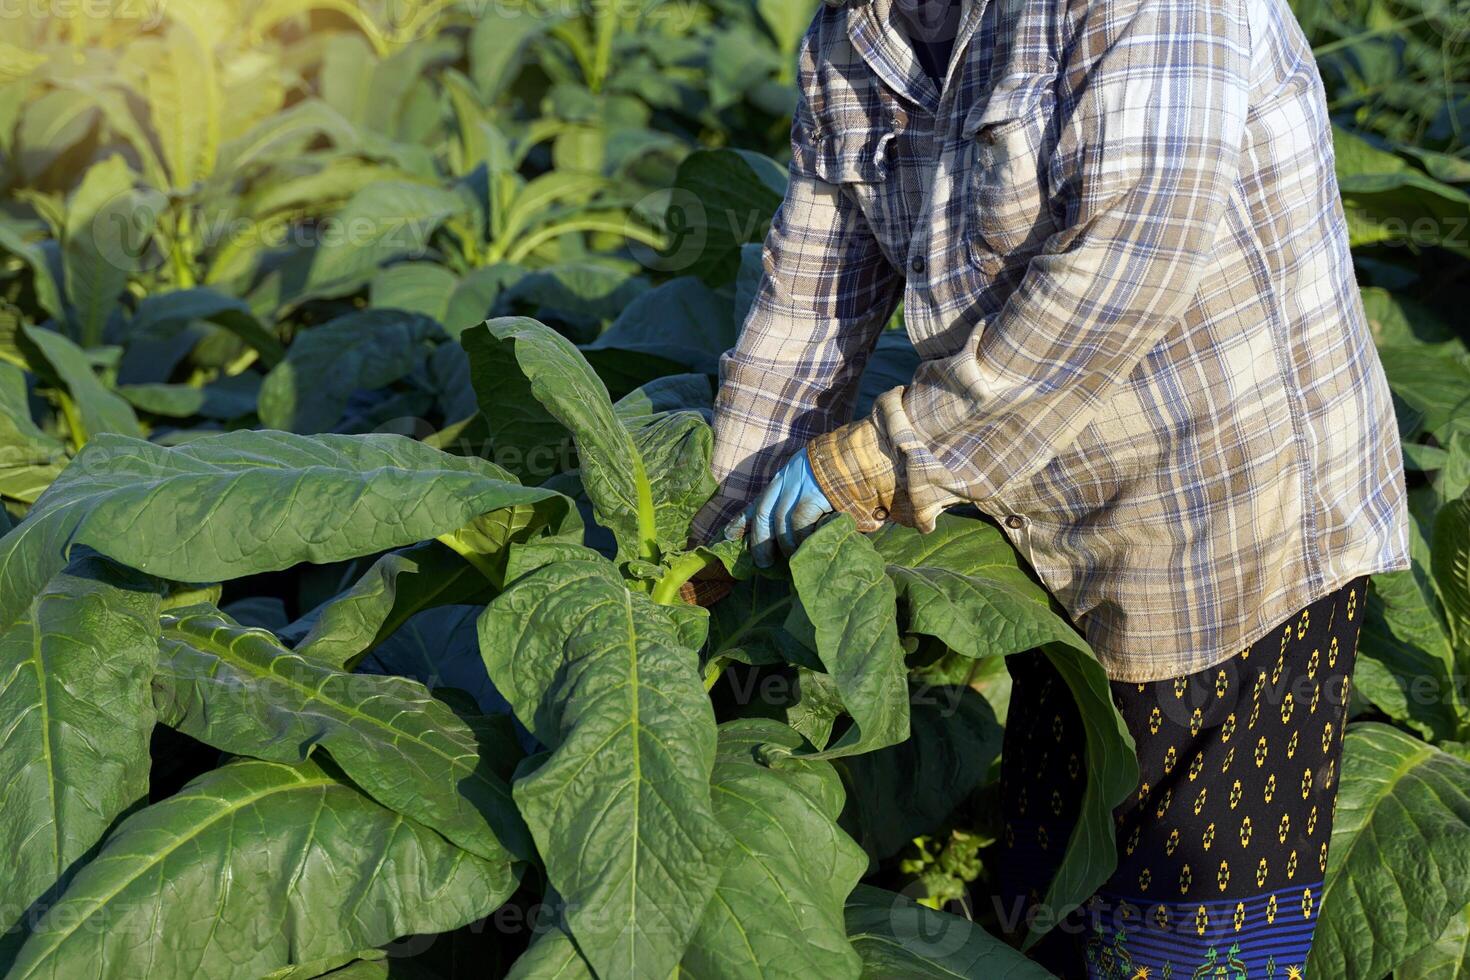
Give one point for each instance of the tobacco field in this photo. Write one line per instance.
(356, 370)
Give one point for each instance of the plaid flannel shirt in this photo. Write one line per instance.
(1123, 261)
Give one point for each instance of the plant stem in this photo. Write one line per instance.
(666, 592)
(607, 29)
(483, 564)
(73, 418)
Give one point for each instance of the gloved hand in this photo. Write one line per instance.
(784, 514)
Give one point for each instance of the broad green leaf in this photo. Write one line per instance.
(385, 220)
(496, 45)
(99, 410)
(815, 707)
(29, 459)
(74, 672)
(897, 937)
(1433, 380)
(1398, 869)
(910, 789)
(671, 393)
(532, 385)
(1398, 320)
(204, 866)
(963, 584)
(414, 287)
(747, 625)
(1451, 551)
(308, 391)
(683, 322)
(51, 124)
(396, 587)
(108, 229)
(240, 691)
(1447, 958)
(440, 648)
(620, 808)
(848, 598)
(184, 106)
(729, 199)
(229, 397)
(164, 314)
(787, 20)
(675, 450)
(553, 954)
(583, 296)
(226, 506)
(286, 134)
(1404, 651)
(48, 292)
(778, 909)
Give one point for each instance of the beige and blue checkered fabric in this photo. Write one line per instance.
(1122, 257)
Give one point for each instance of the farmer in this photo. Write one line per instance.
(1116, 236)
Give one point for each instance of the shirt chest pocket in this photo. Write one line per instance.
(1005, 143)
(868, 163)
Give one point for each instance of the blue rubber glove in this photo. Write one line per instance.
(784, 514)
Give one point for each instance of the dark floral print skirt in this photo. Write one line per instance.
(1223, 848)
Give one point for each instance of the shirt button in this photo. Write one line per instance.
(880, 513)
(917, 264)
(1015, 522)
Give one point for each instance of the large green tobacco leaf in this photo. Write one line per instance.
(620, 807)
(1447, 958)
(675, 449)
(533, 386)
(850, 602)
(553, 956)
(963, 585)
(308, 391)
(166, 314)
(1433, 379)
(107, 229)
(721, 185)
(778, 910)
(897, 937)
(197, 885)
(385, 220)
(239, 690)
(35, 257)
(183, 106)
(1399, 864)
(683, 323)
(98, 410)
(1404, 651)
(1452, 565)
(397, 586)
(671, 393)
(441, 649)
(747, 625)
(226, 506)
(29, 459)
(74, 673)
(910, 789)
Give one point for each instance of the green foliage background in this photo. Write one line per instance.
(340, 634)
